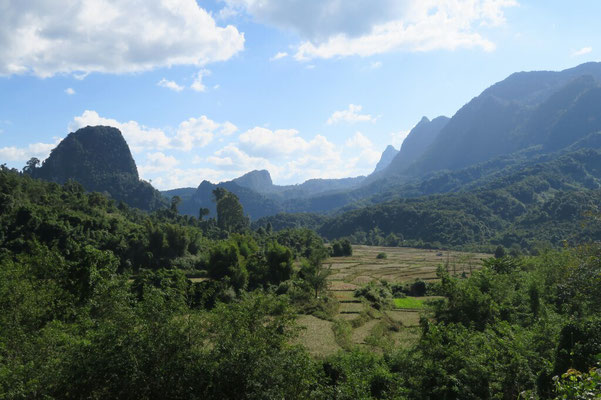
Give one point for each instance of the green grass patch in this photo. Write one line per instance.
(409, 302)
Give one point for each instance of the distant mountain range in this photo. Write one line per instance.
(528, 119)
(527, 116)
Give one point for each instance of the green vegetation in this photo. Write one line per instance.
(95, 302)
(341, 248)
(408, 302)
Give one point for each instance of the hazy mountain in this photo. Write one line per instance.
(547, 109)
(260, 197)
(100, 160)
(417, 142)
(387, 156)
(528, 117)
(255, 204)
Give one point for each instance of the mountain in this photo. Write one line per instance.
(530, 117)
(551, 110)
(99, 159)
(260, 197)
(387, 156)
(417, 142)
(548, 201)
(259, 181)
(255, 204)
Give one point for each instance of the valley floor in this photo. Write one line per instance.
(357, 323)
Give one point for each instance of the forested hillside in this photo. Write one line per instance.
(96, 303)
(544, 203)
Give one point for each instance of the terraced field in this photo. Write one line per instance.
(359, 324)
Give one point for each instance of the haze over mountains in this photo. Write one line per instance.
(530, 118)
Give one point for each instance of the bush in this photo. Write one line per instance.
(382, 256)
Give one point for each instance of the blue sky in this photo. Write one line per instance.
(303, 88)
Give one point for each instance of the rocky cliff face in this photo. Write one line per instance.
(99, 158)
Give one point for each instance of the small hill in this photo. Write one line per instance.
(99, 158)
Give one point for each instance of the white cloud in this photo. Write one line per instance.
(170, 85)
(232, 158)
(22, 154)
(198, 85)
(70, 91)
(279, 55)
(350, 115)
(333, 28)
(583, 51)
(359, 140)
(189, 177)
(110, 36)
(158, 162)
(319, 19)
(227, 129)
(375, 65)
(291, 158)
(267, 143)
(288, 156)
(137, 136)
(195, 133)
(191, 134)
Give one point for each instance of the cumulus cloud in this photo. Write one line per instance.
(194, 133)
(198, 85)
(22, 154)
(332, 28)
(232, 158)
(170, 85)
(139, 137)
(110, 36)
(292, 158)
(183, 156)
(272, 143)
(157, 162)
(70, 91)
(350, 115)
(583, 51)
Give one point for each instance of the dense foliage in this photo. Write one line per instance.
(98, 300)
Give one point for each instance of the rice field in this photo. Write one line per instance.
(361, 325)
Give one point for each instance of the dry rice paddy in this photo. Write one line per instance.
(377, 329)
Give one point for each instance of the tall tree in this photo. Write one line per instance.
(230, 214)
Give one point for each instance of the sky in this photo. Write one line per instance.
(209, 90)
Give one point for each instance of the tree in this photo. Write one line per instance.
(175, 201)
(203, 212)
(31, 165)
(314, 275)
(500, 252)
(230, 214)
(225, 261)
